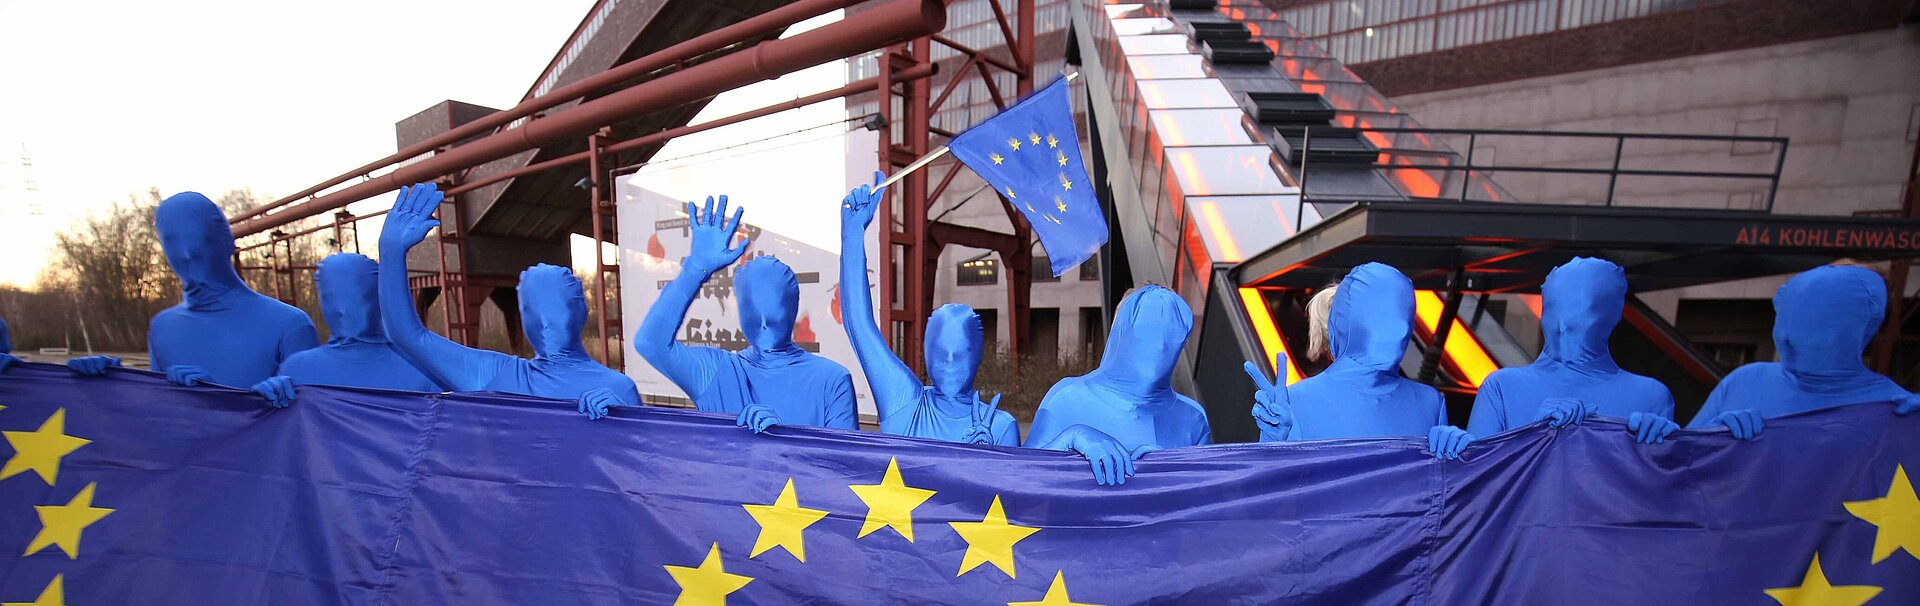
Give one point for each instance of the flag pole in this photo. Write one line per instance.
(934, 155)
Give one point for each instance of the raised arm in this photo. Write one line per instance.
(449, 364)
(712, 249)
(895, 388)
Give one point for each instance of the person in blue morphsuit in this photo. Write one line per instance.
(553, 309)
(1823, 320)
(1126, 407)
(949, 408)
(222, 332)
(1361, 394)
(356, 353)
(1575, 375)
(6, 347)
(772, 381)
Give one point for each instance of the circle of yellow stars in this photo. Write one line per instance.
(890, 504)
(1896, 515)
(41, 452)
(1060, 156)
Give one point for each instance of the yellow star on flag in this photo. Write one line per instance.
(1034, 137)
(1057, 203)
(1897, 514)
(1814, 591)
(61, 524)
(1014, 142)
(54, 595)
(1056, 594)
(1052, 141)
(40, 450)
(708, 584)
(783, 524)
(996, 157)
(1065, 183)
(890, 503)
(1061, 157)
(1010, 195)
(990, 540)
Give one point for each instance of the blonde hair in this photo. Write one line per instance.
(1319, 312)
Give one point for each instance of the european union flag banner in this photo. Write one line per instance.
(1031, 156)
(127, 490)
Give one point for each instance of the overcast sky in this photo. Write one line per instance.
(113, 97)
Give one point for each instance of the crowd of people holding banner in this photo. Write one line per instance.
(226, 334)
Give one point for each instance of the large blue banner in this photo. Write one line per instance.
(125, 490)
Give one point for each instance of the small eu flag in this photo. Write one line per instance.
(1031, 156)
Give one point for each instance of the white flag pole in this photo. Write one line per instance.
(934, 155)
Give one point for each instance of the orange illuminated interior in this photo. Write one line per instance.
(1533, 304)
(1191, 174)
(1229, 249)
(1264, 327)
(1462, 348)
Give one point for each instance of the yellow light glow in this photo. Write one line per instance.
(1462, 348)
(1269, 334)
(1229, 250)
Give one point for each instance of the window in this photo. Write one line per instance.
(979, 272)
(1043, 269)
(1090, 269)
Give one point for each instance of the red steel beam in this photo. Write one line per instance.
(665, 135)
(759, 25)
(886, 24)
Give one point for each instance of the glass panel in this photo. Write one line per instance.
(1204, 171)
(1237, 227)
(1177, 94)
(1152, 67)
(1183, 127)
(1138, 27)
(1158, 44)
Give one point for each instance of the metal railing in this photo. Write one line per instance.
(1467, 166)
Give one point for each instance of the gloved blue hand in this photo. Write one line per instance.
(1904, 407)
(1270, 403)
(7, 359)
(1559, 412)
(1649, 428)
(277, 390)
(713, 246)
(858, 208)
(1446, 442)
(1112, 462)
(757, 417)
(1745, 423)
(411, 218)
(188, 375)
(92, 366)
(595, 402)
(982, 432)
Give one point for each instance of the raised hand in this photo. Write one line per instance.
(411, 218)
(188, 375)
(595, 402)
(1649, 428)
(860, 205)
(1745, 423)
(982, 432)
(757, 417)
(713, 246)
(1446, 442)
(1559, 412)
(1270, 404)
(92, 366)
(277, 390)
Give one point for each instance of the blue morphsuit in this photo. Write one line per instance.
(1581, 302)
(949, 408)
(1361, 394)
(1127, 405)
(222, 332)
(1823, 321)
(356, 353)
(6, 347)
(772, 381)
(553, 310)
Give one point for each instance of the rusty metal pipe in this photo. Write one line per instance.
(860, 86)
(758, 25)
(887, 24)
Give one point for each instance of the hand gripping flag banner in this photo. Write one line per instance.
(127, 490)
(1031, 156)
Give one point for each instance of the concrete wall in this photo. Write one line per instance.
(1850, 106)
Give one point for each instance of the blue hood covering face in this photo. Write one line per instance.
(769, 298)
(953, 346)
(1823, 321)
(553, 310)
(1582, 302)
(1150, 328)
(199, 247)
(1372, 318)
(349, 298)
